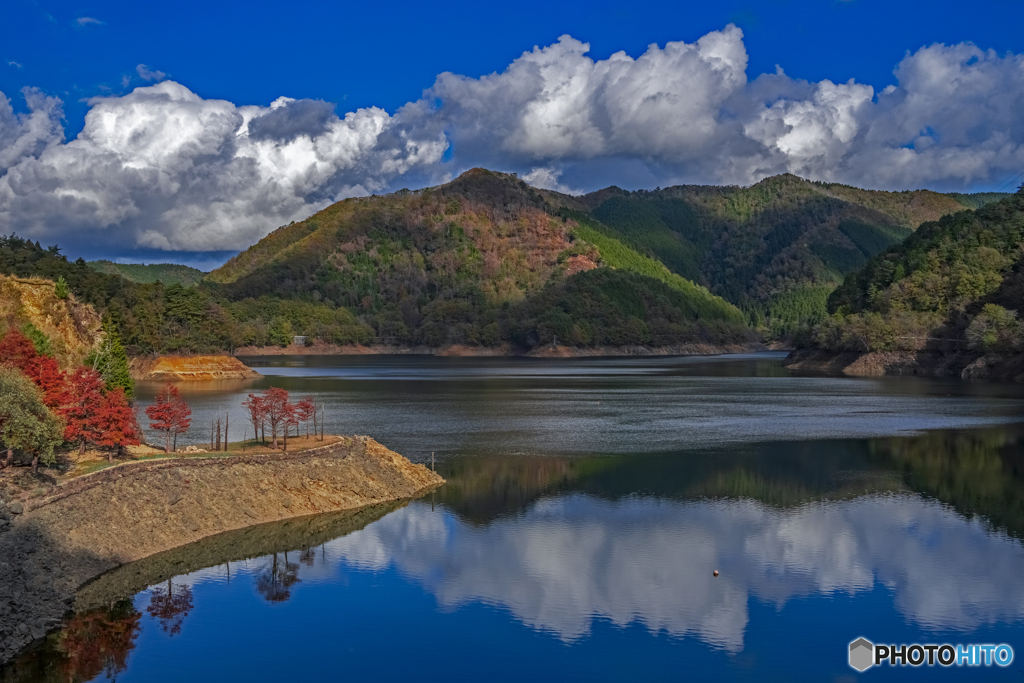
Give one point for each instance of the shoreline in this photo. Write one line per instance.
(503, 351)
(99, 522)
(971, 366)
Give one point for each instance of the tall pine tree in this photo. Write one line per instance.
(111, 361)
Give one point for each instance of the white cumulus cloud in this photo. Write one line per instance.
(161, 167)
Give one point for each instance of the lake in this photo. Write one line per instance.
(589, 503)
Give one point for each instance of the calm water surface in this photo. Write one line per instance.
(588, 503)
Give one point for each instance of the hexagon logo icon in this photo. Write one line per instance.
(862, 653)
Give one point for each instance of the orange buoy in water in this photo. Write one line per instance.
(716, 572)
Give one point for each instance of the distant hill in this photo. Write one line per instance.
(948, 300)
(481, 260)
(777, 248)
(168, 273)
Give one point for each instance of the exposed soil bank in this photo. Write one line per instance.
(923, 363)
(186, 368)
(125, 513)
(504, 350)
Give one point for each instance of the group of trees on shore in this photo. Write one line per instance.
(45, 406)
(271, 408)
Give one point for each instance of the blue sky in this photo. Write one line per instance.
(566, 117)
(361, 54)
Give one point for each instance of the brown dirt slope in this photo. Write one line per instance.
(73, 327)
(129, 512)
(186, 368)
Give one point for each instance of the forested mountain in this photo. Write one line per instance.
(777, 248)
(168, 273)
(955, 287)
(483, 259)
(487, 260)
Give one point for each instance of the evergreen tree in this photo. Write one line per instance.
(111, 361)
(61, 289)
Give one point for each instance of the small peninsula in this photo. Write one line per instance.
(50, 547)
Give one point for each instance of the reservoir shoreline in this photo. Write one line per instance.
(122, 514)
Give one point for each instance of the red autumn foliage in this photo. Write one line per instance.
(278, 410)
(90, 414)
(99, 641)
(116, 422)
(170, 415)
(304, 411)
(257, 409)
(17, 350)
(170, 608)
(82, 398)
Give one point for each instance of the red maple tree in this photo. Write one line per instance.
(170, 415)
(116, 422)
(257, 409)
(80, 405)
(278, 410)
(304, 410)
(18, 351)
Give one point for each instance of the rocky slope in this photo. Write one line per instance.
(73, 328)
(125, 513)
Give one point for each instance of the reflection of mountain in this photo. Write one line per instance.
(482, 488)
(565, 561)
(977, 471)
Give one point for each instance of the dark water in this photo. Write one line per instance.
(588, 504)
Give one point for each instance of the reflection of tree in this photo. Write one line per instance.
(977, 471)
(275, 581)
(98, 642)
(170, 607)
(308, 557)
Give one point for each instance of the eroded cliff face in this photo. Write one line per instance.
(73, 328)
(129, 512)
(187, 368)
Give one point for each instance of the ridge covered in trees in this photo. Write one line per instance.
(956, 286)
(487, 259)
(168, 273)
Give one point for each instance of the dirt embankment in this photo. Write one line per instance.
(186, 368)
(500, 351)
(125, 513)
(922, 363)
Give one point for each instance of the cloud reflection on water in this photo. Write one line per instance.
(567, 561)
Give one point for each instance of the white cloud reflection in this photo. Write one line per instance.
(566, 562)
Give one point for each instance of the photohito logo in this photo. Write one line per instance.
(864, 654)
